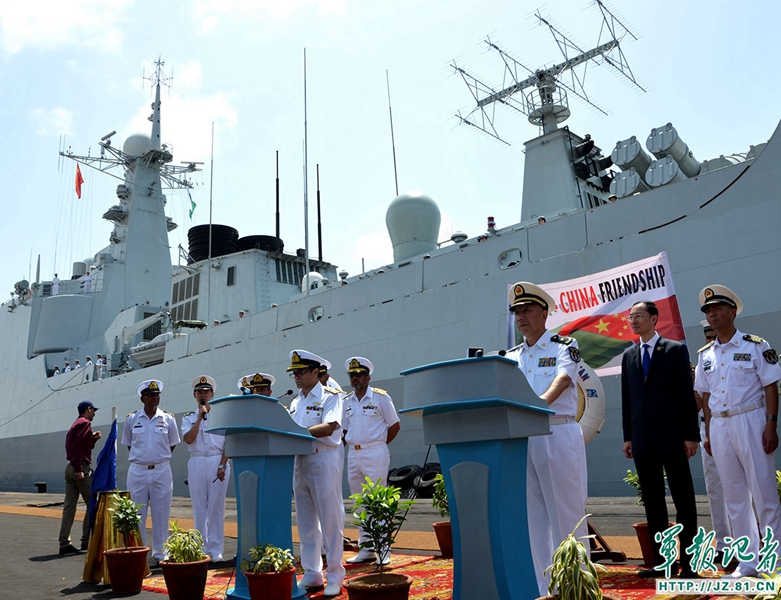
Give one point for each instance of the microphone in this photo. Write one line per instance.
(287, 393)
(205, 415)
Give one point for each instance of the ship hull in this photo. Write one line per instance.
(723, 227)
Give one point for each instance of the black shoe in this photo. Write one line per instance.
(85, 545)
(655, 574)
(69, 549)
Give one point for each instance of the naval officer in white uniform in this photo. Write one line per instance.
(257, 383)
(370, 424)
(556, 477)
(316, 485)
(208, 471)
(733, 375)
(151, 436)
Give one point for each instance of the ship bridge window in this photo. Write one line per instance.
(231, 275)
(289, 271)
(509, 258)
(316, 313)
(182, 307)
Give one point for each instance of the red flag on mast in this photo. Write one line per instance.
(79, 181)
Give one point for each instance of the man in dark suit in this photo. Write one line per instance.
(660, 425)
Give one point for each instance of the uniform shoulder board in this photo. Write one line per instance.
(379, 391)
(348, 395)
(562, 339)
(332, 390)
(518, 347)
(192, 412)
(753, 338)
(130, 414)
(705, 347)
(169, 414)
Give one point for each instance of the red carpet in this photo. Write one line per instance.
(433, 580)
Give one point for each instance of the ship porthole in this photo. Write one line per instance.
(316, 313)
(509, 258)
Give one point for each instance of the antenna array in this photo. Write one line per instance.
(546, 105)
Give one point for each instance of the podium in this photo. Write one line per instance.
(480, 412)
(262, 440)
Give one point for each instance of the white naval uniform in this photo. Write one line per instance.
(317, 487)
(716, 502)
(367, 421)
(735, 375)
(556, 477)
(207, 492)
(149, 477)
(55, 286)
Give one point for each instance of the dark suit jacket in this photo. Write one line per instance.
(659, 412)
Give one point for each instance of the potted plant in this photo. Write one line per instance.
(379, 511)
(270, 572)
(185, 566)
(442, 528)
(641, 529)
(126, 566)
(572, 574)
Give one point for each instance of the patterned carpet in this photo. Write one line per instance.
(433, 580)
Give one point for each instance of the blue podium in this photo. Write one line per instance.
(480, 412)
(262, 441)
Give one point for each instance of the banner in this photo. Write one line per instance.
(594, 309)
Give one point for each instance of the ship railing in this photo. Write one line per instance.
(71, 287)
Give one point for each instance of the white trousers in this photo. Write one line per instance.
(317, 488)
(716, 502)
(556, 493)
(208, 500)
(736, 443)
(373, 463)
(155, 488)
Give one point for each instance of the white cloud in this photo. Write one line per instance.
(208, 13)
(186, 123)
(50, 24)
(52, 122)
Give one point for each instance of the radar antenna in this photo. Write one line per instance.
(110, 158)
(546, 105)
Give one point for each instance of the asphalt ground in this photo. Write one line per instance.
(34, 570)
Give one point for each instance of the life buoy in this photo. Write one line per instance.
(591, 402)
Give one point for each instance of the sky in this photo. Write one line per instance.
(71, 72)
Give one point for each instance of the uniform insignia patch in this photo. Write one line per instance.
(753, 338)
(562, 339)
(705, 347)
(547, 362)
(707, 366)
(742, 357)
(574, 354)
(770, 356)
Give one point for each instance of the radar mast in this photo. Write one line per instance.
(546, 105)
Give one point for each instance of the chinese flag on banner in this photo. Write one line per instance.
(79, 181)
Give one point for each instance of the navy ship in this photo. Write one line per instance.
(717, 220)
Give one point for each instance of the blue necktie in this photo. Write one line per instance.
(646, 360)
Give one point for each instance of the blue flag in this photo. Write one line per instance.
(104, 477)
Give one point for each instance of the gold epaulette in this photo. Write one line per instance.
(192, 412)
(130, 414)
(348, 395)
(169, 414)
(705, 347)
(379, 391)
(332, 390)
(562, 339)
(753, 338)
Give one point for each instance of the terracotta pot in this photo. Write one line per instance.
(270, 586)
(444, 538)
(185, 581)
(395, 586)
(126, 568)
(646, 547)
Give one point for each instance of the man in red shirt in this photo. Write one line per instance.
(79, 443)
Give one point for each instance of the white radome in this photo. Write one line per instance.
(137, 144)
